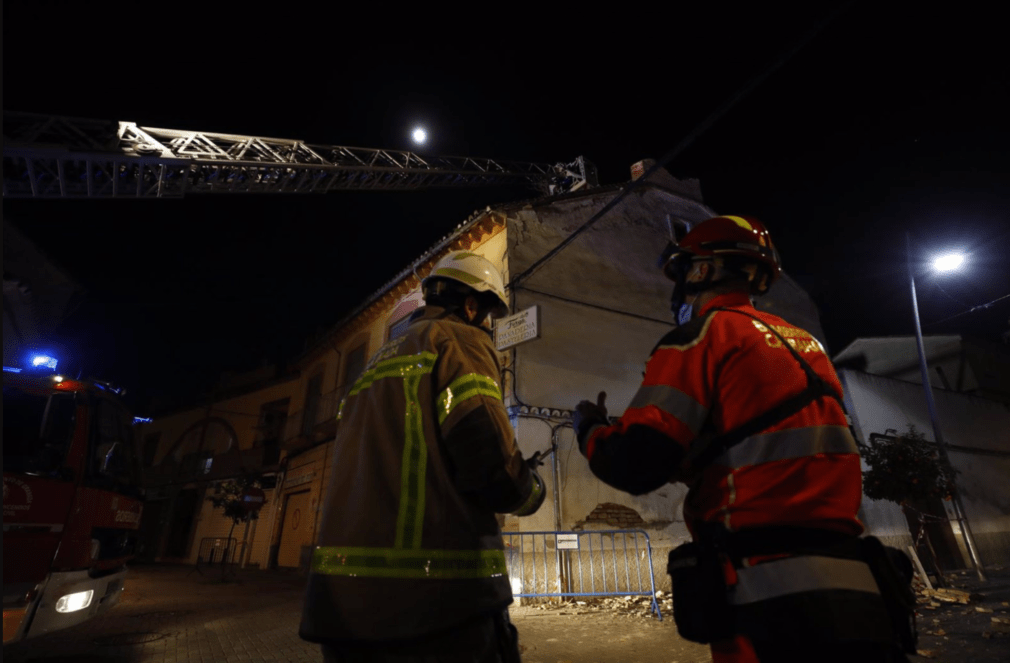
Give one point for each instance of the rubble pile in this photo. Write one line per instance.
(954, 601)
(931, 599)
(625, 606)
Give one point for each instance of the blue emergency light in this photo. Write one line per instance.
(44, 361)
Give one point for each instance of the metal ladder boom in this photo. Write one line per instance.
(60, 157)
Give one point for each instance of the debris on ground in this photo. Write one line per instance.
(628, 606)
(943, 594)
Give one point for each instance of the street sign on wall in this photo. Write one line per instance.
(517, 328)
(253, 499)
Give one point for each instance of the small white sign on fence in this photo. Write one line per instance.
(568, 541)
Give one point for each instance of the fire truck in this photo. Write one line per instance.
(72, 499)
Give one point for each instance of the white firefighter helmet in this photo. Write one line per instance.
(474, 271)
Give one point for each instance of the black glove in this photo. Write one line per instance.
(587, 415)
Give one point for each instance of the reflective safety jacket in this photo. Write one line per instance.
(424, 457)
(710, 377)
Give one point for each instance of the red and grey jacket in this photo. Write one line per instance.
(712, 376)
(423, 459)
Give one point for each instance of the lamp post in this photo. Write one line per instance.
(949, 262)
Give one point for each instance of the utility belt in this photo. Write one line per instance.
(707, 610)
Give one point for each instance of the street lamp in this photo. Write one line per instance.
(943, 263)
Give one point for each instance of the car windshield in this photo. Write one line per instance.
(38, 430)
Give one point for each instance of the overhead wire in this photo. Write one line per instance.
(684, 143)
(971, 310)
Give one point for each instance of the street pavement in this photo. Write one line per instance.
(171, 614)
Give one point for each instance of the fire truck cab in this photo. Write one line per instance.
(72, 501)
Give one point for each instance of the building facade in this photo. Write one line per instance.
(600, 304)
(970, 381)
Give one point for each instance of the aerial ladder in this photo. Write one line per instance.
(47, 156)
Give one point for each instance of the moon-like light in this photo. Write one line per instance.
(420, 135)
(948, 262)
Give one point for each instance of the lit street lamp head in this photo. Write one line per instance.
(949, 262)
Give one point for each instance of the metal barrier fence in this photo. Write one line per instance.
(559, 564)
(216, 550)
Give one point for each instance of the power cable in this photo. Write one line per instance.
(972, 309)
(685, 143)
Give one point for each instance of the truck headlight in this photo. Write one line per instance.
(74, 602)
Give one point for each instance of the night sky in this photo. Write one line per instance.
(885, 123)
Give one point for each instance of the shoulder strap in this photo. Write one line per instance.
(816, 388)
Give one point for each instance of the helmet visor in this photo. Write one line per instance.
(677, 265)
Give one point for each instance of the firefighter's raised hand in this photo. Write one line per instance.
(587, 414)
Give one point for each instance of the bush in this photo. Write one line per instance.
(906, 468)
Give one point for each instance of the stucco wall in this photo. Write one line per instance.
(878, 403)
(241, 413)
(603, 306)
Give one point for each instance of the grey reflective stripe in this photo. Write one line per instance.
(791, 443)
(800, 574)
(672, 401)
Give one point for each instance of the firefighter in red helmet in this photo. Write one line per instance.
(746, 409)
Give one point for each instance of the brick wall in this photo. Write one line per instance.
(615, 515)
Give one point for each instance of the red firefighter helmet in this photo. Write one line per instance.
(726, 236)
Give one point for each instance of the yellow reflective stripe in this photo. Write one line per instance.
(463, 388)
(414, 462)
(410, 516)
(408, 563)
(397, 367)
(801, 574)
(743, 223)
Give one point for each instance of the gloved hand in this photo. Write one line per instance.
(587, 415)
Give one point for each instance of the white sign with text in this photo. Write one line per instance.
(517, 328)
(568, 541)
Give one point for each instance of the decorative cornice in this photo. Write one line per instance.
(473, 232)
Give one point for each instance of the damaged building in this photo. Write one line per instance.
(584, 321)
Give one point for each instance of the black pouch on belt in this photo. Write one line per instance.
(700, 604)
(892, 569)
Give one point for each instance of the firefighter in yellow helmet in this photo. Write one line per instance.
(410, 562)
